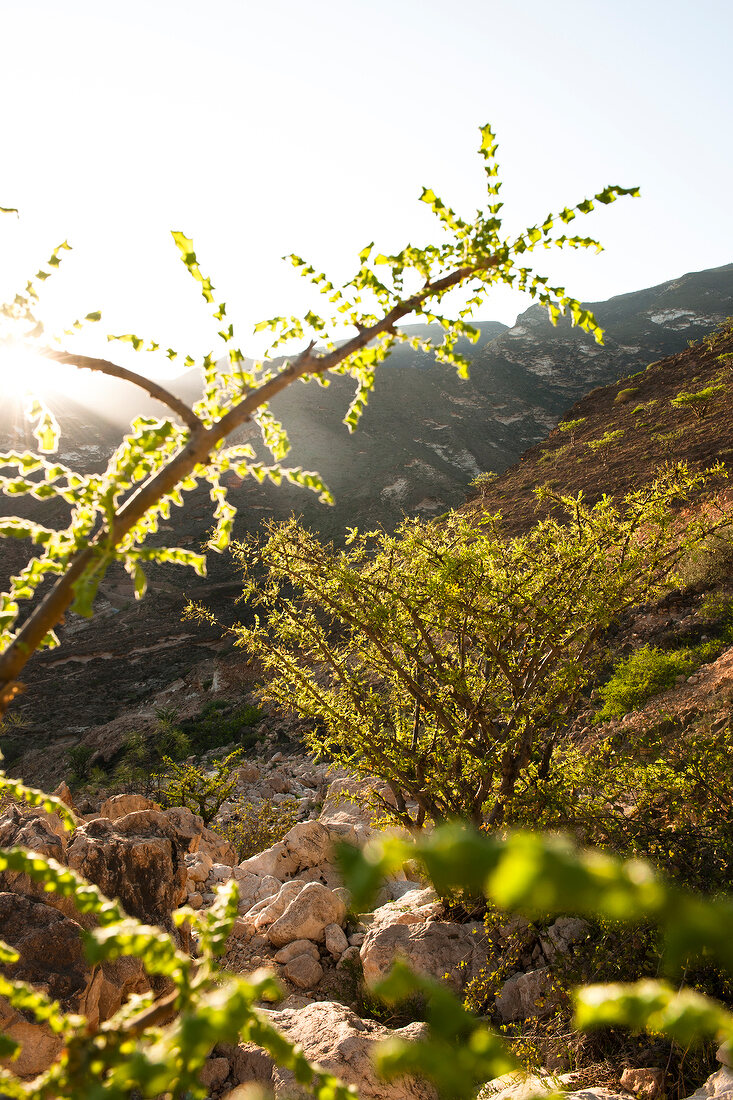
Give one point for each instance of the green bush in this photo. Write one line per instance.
(203, 794)
(646, 672)
(222, 723)
(255, 826)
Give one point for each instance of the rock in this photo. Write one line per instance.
(214, 1073)
(121, 804)
(719, 1086)
(596, 1094)
(198, 838)
(267, 912)
(437, 949)
(195, 900)
(348, 801)
(724, 1054)
(525, 996)
(307, 915)
(350, 957)
(297, 947)
(520, 1085)
(561, 935)
(137, 858)
(304, 971)
(342, 1044)
(51, 956)
(198, 865)
(63, 793)
(38, 834)
(335, 940)
(645, 1083)
(308, 844)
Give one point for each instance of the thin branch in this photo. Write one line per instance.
(180, 408)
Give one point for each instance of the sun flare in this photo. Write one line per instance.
(23, 371)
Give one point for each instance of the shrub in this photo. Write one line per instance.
(222, 723)
(699, 402)
(254, 826)
(203, 794)
(646, 672)
(625, 395)
(444, 659)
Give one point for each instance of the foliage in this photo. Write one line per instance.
(661, 793)
(572, 426)
(186, 785)
(79, 758)
(644, 673)
(253, 826)
(625, 395)
(603, 445)
(222, 723)
(113, 514)
(482, 481)
(699, 402)
(542, 876)
(445, 658)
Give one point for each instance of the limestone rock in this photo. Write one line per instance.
(525, 996)
(342, 1044)
(51, 956)
(307, 915)
(335, 939)
(297, 947)
(121, 804)
(719, 1086)
(645, 1083)
(214, 1073)
(138, 859)
(304, 971)
(563, 934)
(268, 911)
(436, 949)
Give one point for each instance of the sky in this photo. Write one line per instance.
(261, 129)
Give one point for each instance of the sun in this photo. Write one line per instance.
(24, 371)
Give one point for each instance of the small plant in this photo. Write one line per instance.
(698, 403)
(483, 480)
(189, 786)
(603, 445)
(256, 826)
(79, 760)
(623, 396)
(572, 426)
(222, 723)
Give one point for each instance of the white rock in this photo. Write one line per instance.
(335, 939)
(307, 915)
(525, 996)
(297, 947)
(275, 907)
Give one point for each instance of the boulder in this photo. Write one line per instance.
(520, 1085)
(438, 949)
(335, 939)
(119, 805)
(304, 971)
(308, 844)
(307, 916)
(647, 1083)
(51, 956)
(562, 935)
(525, 996)
(39, 834)
(719, 1086)
(198, 837)
(138, 859)
(297, 947)
(352, 801)
(333, 1036)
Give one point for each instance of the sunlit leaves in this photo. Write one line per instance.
(185, 247)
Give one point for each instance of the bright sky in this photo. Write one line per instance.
(261, 128)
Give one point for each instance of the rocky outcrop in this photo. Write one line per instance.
(51, 957)
(444, 950)
(137, 858)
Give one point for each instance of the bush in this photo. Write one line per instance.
(699, 402)
(203, 794)
(222, 723)
(445, 659)
(646, 672)
(254, 826)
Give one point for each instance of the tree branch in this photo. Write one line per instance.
(103, 366)
(196, 452)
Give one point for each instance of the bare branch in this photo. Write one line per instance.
(180, 408)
